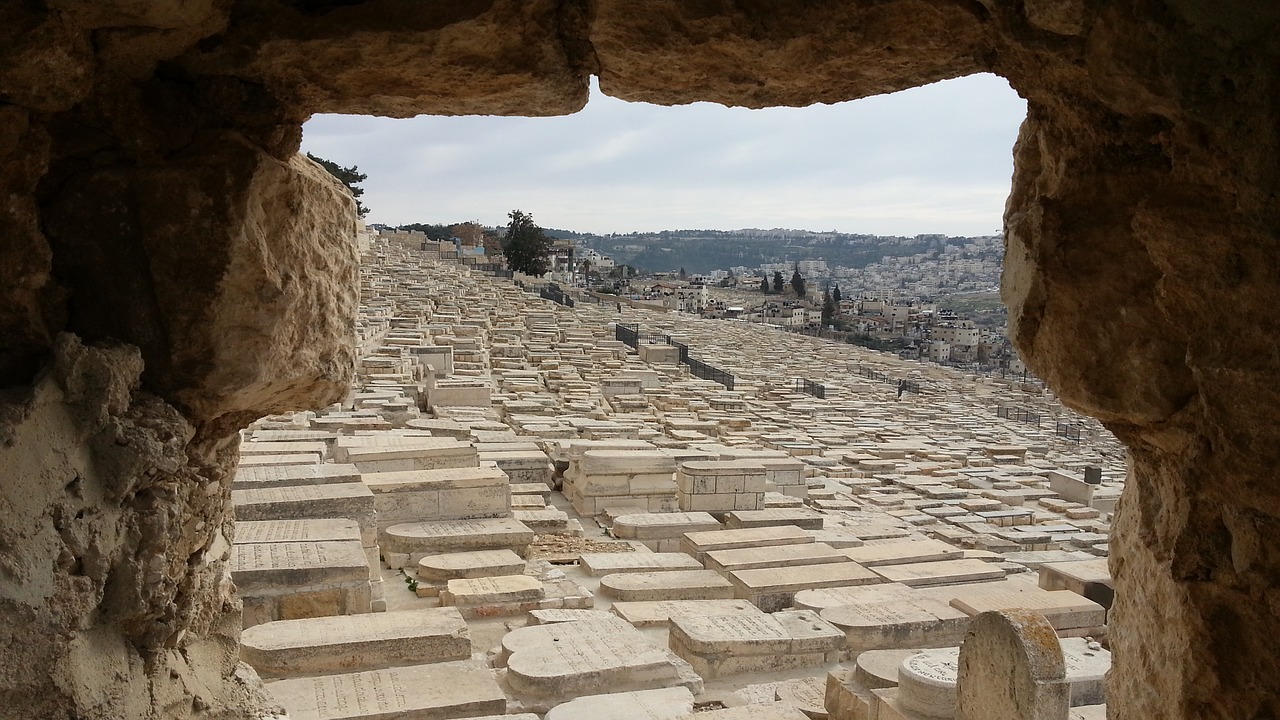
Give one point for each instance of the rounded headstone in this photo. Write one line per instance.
(879, 668)
(927, 682)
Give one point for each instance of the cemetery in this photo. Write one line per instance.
(512, 513)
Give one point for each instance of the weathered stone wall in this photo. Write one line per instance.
(153, 209)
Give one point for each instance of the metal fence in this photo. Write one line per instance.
(1070, 431)
(1022, 415)
(628, 334)
(810, 387)
(554, 294)
(631, 336)
(708, 372)
(873, 374)
(904, 386)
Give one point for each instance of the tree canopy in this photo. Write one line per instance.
(777, 281)
(828, 307)
(764, 285)
(526, 247)
(349, 176)
(797, 282)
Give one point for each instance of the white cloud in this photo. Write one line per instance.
(931, 159)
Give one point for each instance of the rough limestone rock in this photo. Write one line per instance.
(152, 201)
(112, 551)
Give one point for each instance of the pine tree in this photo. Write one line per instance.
(835, 294)
(777, 281)
(764, 285)
(349, 176)
(797, 282)
(525, 246)
(828, 307)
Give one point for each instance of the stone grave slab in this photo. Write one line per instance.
(945, 572)
(294, 580)
(338, 500)
(662, 532)
(837, 537)
(657, 613)
(522, 466)
(819, 599)
(349, 643)
(600, 564)
(1090, 578)
(719, 645)
(801, 518)
(698, 544)
(543, 520)
(772, 556)
(552, 616)
(772, 589)
(538, 489)
(492, 590)
(408, 543)
(435, 691)
(898, 623)
(435, 571)
(669, 585)
(899, 553)
(1064, 609)
(290, 459)
(658, 704)
(548, 664)
(442, 494)
(268, 476)
(248, 532)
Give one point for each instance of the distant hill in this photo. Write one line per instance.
(701, 251)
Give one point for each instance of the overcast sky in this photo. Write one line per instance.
(936, 159)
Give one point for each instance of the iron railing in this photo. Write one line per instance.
(810, 387)
(1070, 431)
(1018, 414)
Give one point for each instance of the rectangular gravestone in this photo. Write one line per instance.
(772, 589)
(773, 556)
(799, 517)
(719, 645)
(435, 691)
(946, 572)
(407, 543)
(658, 613)
(900, 553)
(268, 476)
(898, 624)
(662, 532)
(1064, 609)
(441, 494)
(547, 664)
(304, 530)
(293, 580)
(347, 643)
(669, 585)
(698, 544)
(600, 564)
(339, 500)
